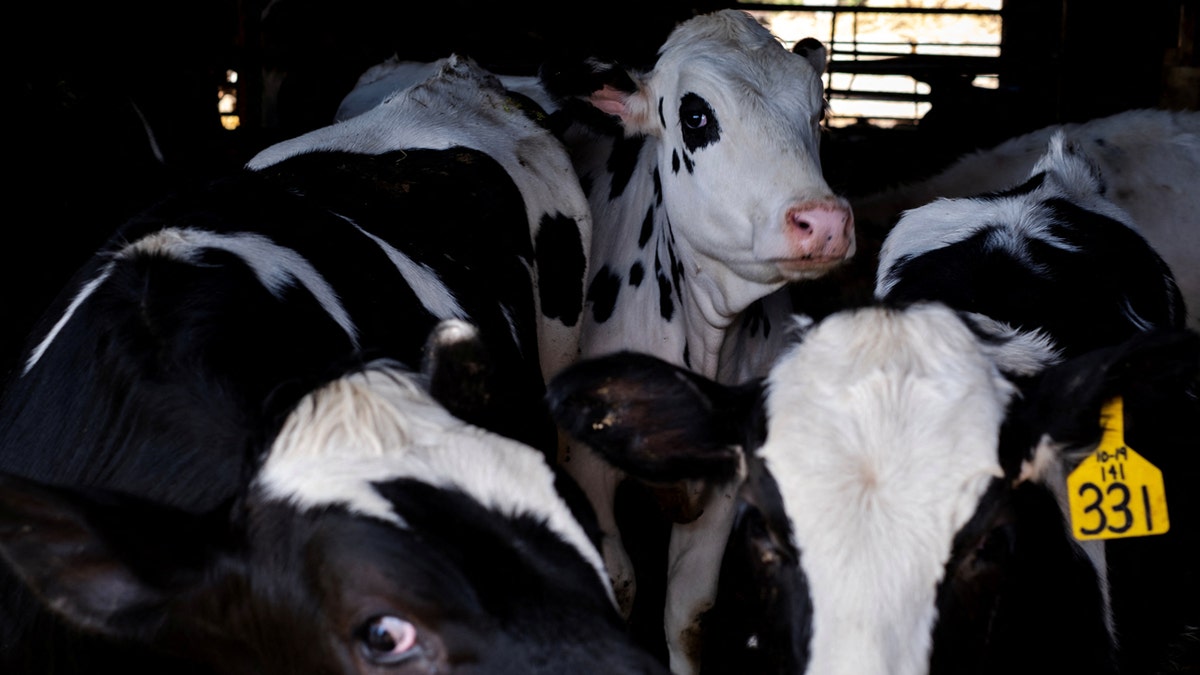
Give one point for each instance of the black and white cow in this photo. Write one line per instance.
(275, 424)
(707, 196)
(1052, 255)
(905, 506)
(1148, 162)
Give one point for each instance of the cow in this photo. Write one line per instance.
(1148, 160)
(1052, 254)
(293, 421)
(707, 197)
(905, 510)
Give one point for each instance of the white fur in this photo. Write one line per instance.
(380, 425)
(379, 82)
(882, 435)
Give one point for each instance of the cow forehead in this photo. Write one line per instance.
(882, 436)
(754, 65)
(380, 425)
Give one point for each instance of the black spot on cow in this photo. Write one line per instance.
(661, 118)
(602, 293)
(675, 161)
(666, 306)
(755, 318)
(658, 193)
(561, 262)
(623, 162)
(586, 182)
(1025, 188)
(676, 268)
(687, 163)
(807, 45)
(687, 355)
(647, 228)
(699, 123)
(636, 272)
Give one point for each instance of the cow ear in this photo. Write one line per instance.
(458, 368)
(105, 563)
(600, 93)
(1156, 373)
(1075, 171)
(814, 51)
(652, 419)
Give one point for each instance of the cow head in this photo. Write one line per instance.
(1052, 254)
(727, 122)
(895, 518)
(380, 532)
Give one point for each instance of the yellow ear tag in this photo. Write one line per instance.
(1116, 492)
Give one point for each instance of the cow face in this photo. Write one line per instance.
(1052, 254)
(895, 518)
(381, 533)
(723, 135)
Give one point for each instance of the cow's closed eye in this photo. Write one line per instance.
(388, 640)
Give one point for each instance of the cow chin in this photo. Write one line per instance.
(801, 269)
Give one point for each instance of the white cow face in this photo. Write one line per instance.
(738, 117)
(903, 511)
(727, 122)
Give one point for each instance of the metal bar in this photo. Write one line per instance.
(877, 95)
(768, 7)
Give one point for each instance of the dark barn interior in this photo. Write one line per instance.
(95, 76)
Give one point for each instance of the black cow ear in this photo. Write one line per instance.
(599, 92)
(458, 368)
(654, 420)
(105, 563)
(813, 50)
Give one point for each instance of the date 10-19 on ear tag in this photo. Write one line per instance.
(1116, 492)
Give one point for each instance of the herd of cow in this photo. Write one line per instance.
(500, 376)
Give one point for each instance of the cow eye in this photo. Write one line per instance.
(388, 640)
(699, 122)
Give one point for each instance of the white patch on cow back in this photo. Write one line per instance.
(380, 425)
(434, 295)
(84, 293)
(276, 268)
(882, 434)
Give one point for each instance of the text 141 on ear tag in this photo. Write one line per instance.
(1116, 492)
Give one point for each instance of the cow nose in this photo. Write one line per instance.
(822, 228)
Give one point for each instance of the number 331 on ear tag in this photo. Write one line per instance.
(1116, 492)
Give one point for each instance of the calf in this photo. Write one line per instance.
(379, 532)
(1148, 162)
(1052, 254)
(295, 422)
(905, 510)
(707, 196)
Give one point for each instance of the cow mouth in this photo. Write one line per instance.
(809, 267)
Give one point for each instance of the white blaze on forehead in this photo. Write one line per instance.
(380, 425)
(882, 435)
